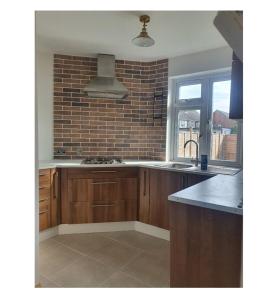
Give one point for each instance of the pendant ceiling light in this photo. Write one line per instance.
(143, 39)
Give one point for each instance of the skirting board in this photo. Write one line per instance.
(152, 230)
(95, 227)
(48, 233)
(106, 227)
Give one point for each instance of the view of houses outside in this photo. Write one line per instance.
(224, 130)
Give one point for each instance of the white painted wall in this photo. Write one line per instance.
(200, 62)
(44, 90)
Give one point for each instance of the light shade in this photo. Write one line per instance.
(143, 39)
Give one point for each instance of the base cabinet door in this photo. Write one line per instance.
(206, 247)
(162, 184)
(44, 199)
(144, 195)
(44, 215)
(95, 200)
(154, 188)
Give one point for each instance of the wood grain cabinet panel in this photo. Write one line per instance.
(98, 196)
(162, 184)
(144, 196)
(154, 188)
(49, 215)
(44, 214)
(206, 247)
(55, 198)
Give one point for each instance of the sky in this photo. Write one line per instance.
(221, 94)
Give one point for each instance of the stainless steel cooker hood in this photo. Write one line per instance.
(105, 85)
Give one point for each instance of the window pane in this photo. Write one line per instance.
(188, 129)
(192, 91)
(224, 130)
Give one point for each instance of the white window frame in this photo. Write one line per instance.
(205, 105)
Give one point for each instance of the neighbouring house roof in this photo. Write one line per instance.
(221, 119)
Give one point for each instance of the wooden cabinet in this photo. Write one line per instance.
(55, 198)
(98, 195)
(206, 247)
(162, 184)
(144, 195)
(48, 198)
(155, 187)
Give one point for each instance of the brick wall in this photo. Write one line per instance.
(126, 128)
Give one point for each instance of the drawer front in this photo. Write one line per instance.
(83, 212)
(108, 213)
(44, 206)
(44, 193)
(100, 173)
(44, 178)
(44, 215)
(104, 192)
(44, 220)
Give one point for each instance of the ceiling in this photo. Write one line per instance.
(91, 32)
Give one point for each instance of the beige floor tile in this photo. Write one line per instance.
(121, 279)
(54, 259)
(48, 244)
(149, 269)
(46, 283)
(84, 243)
(153, 245)
(85, 272)
(115, 254)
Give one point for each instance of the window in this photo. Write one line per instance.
(189, 118)
(200, 111)
(188, 92)
(224, 131)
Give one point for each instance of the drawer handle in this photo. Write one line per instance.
(105, 182)
(103, 171)
(42, 200)
(144, 193)
(42, 174)
(43, 212)
(43, 187)
(103, 205)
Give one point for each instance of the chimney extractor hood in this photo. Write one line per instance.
(105, 85)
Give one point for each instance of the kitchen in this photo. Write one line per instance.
(140, 149)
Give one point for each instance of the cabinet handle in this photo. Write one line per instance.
(103, 171)
(43, 187)
(104, 182)
(43, 212)
(144, 192)
(103, 205)
(42, 200)
(43, 174)
(55, 184)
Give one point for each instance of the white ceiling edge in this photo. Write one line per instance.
(204, 53)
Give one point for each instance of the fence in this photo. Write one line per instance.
(223, 147)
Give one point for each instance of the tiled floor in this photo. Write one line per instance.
(110, 259)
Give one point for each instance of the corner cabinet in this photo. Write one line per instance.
(98, 195)
(155, 187)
